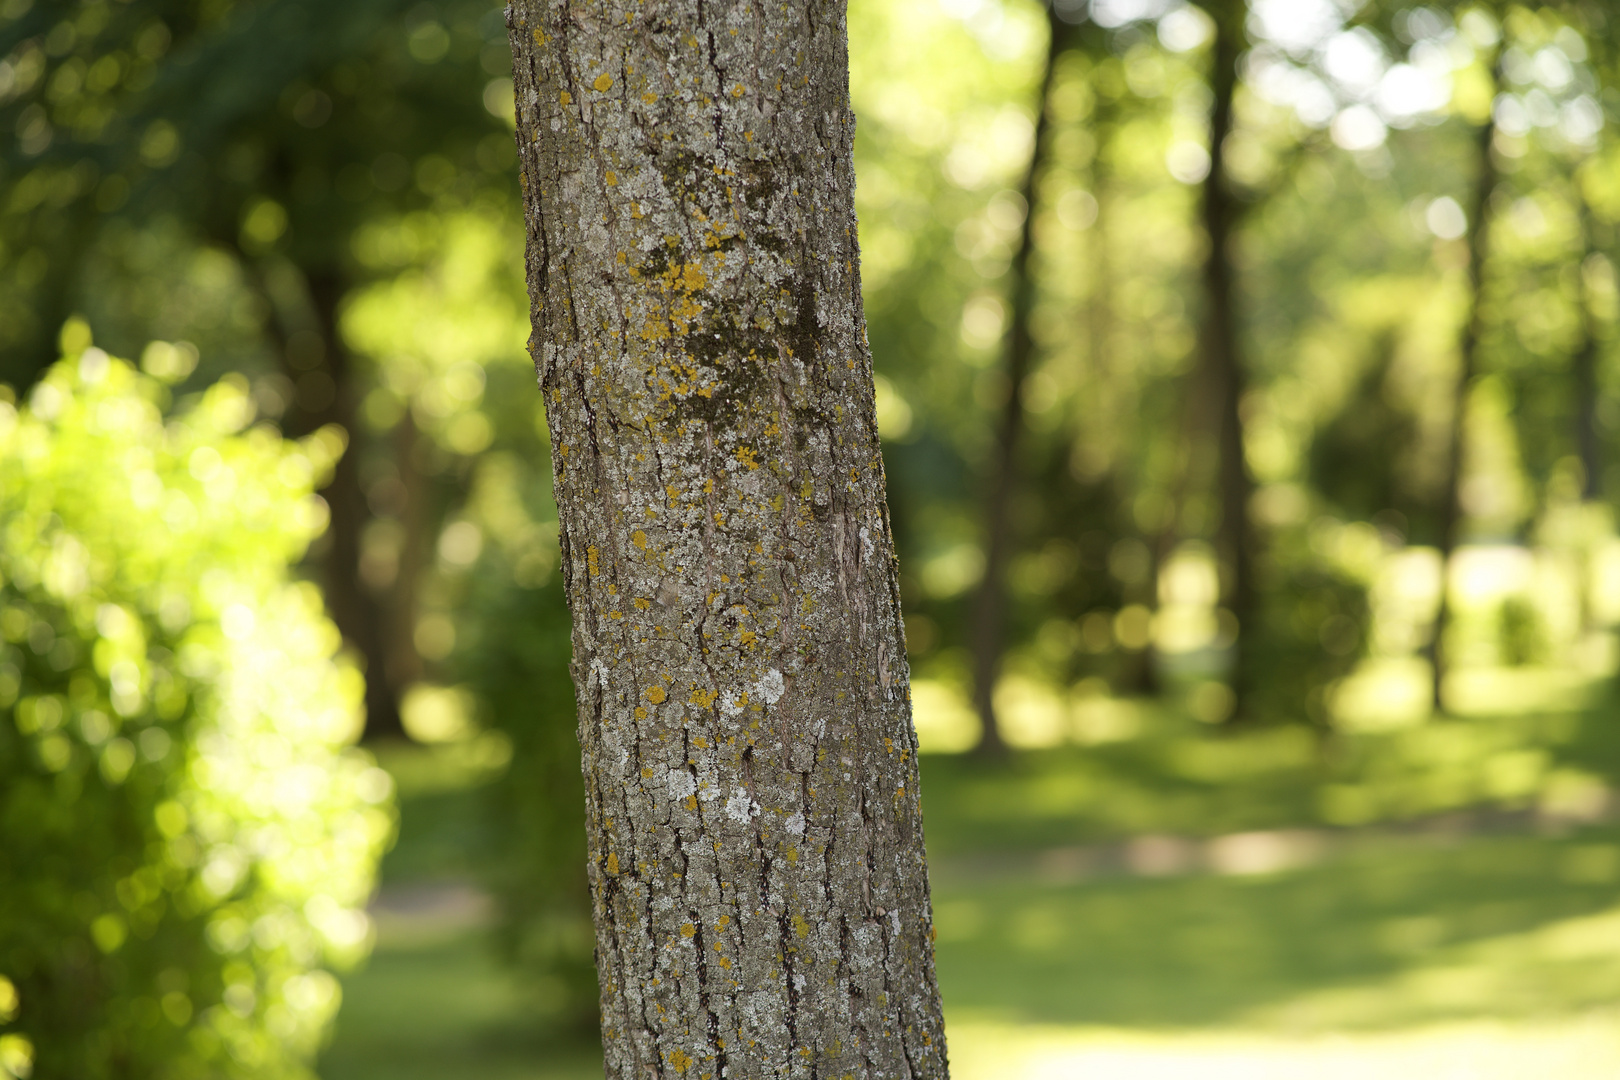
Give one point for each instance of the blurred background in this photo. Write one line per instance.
(1247, 386)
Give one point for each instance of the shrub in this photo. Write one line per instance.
(186, 832)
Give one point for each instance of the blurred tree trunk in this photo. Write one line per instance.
(988, 631)
(416, 550)
(331, 396)
(1450, 518)
(1222, 358)
(1137, 675)
(756, 862)
(1583, 365)
(53, 300)
(1584, 379)
(302, 303)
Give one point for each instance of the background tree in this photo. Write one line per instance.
(1468, 368)
(1005, 475)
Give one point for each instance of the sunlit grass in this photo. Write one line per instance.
(1393, 931)
(1476, 957)
(1575, 1048)
(1396, 956)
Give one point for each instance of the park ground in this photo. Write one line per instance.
(1438, 899)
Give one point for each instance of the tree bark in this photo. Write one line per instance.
(1223, 360)
(756, 862)
(1467, 370)
(989, 630)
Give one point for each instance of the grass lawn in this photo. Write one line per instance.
(443, 1008)
(1172, 906)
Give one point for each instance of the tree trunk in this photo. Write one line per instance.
(989, 630)
(1223, 361)
(1467, 369)
(1584, 380)
(755, 840)
(1583, 365)
(400, 605)
(1136, 674)
(352, 608)
(301, 299)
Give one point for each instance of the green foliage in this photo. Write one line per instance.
(1317, 617)
(519, 669)
(186, 834)
(1523, 638)
(513, 655)
(267, 132)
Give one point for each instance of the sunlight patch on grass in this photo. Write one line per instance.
(1034, 714)
(1564, 967)
(1584, 1048)
(1393, 692)
(453, 767)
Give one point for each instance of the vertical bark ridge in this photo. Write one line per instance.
(755, 839)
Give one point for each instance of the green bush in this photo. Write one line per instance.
(187, 834)
(1315, 620)
(1521, 632)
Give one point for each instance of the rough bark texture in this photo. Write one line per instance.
(989, 631)
(1222, 357)
(755, 840)
(1451, 516)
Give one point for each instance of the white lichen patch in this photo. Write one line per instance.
(740, 808)
(680, 784)
(770, 687)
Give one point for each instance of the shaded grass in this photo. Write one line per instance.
(1194, 783)
(435, 1001)
(1206, 950)
(445, 1010)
